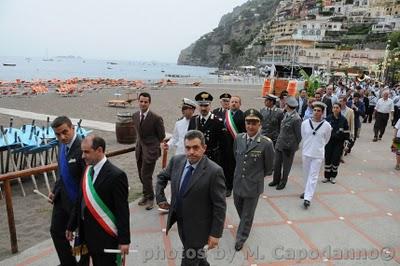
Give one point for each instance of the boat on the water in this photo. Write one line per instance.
(9, 64)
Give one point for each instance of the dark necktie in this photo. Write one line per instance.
(248, 143)
(202, 121)
(186, 179)
(182, 189)
(141, 118)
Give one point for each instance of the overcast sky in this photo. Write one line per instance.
(142, 30)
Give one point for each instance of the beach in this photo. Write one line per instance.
(32, 213)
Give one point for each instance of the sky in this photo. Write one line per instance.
(140, 30)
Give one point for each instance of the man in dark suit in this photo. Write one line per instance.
(302, 101)
(65, 191)
(234, 124)
(254, 155)
(198, 199)
(106, 225)
(211, 126)
(150, 129)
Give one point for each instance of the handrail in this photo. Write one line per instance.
(26, 173)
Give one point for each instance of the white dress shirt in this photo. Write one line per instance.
(384, 107)
(97, 167)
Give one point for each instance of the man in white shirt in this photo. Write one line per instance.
(384, 107)
(181, 127)
(315, 133)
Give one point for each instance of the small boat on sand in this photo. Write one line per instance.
(9, 64)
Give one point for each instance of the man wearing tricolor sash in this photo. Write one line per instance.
(102, 211)
(234, 124)
(65, 191)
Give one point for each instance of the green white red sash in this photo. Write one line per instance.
(96, 206)
(230, 124)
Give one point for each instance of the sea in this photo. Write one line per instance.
(65, 67)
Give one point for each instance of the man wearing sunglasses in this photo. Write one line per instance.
(315, 133)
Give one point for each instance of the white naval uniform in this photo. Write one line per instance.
(178, 137)
(313, 153)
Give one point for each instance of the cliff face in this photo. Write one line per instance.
(232, 42)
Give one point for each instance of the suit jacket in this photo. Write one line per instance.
(111, 185)
(290, 133)
(76, 167)
(253, 163)
(150, 134)
(350, 120)
(302, 109)
(203, 206)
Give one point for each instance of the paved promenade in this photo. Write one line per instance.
(354, 222)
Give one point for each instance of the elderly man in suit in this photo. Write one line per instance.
(198, 198)
(287, 144)
(254, 155)
(65, 192)
(102, 210)
(224, 100)
(150, 129)
(272, 118)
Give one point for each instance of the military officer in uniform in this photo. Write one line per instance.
(272, 118)
(254, 156)
(224, 100)
(181, 127)
(210, 125)
(287, 144)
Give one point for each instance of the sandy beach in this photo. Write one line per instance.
(33, 213)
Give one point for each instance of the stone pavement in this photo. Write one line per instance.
(354, 222)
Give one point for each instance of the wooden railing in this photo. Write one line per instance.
(6, 178)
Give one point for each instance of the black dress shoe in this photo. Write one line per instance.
(306, 204)
(272, 184)
(238, 246)
(302, 196)
(149, 204)
(228, 193)
(375, 139)
(326, 180)
(280, 186)
(142, 201)
(332, 180)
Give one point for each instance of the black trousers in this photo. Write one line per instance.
(381, 121)
(369, 113)
(104, 259)
(191, 256)
(146, 170)
(283, 161)
(353, 141)
(396, 115)
(333, 152)
(59, 221)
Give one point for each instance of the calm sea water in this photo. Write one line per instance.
(64, 68)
